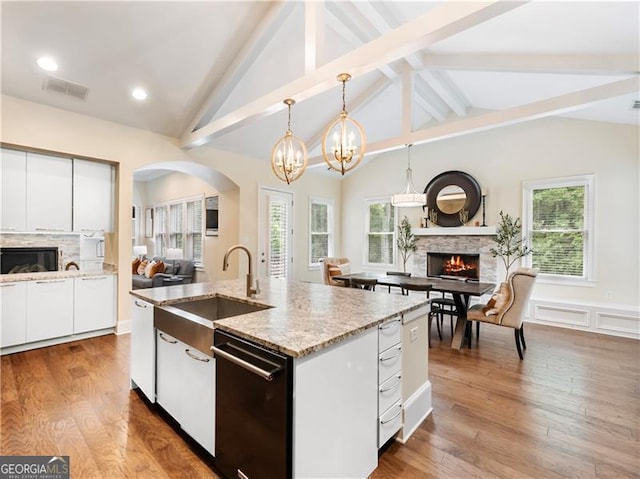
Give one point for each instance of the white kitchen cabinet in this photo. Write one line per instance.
(94, 303)
(14, 190)
(49, 309)
(13, 300)
(93, 194)
(49, 193)
(143, 348)
(335, 409)
(389, 379)
(185, 387)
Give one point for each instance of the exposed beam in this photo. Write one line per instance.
(241, 61)
(583, 64)
(407, 101)
(437, 24)
(496, 119)
(444, 91)
(313, 33)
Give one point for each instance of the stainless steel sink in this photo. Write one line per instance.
(192, 322)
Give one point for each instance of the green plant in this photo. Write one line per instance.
(510, 245)
(406, 241)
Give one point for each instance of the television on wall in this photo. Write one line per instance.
(211, 218)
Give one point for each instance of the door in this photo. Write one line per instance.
(276, 234)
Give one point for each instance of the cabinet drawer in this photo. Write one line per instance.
(389, 333)
(389, 392)
(389, 423)
(390, 363)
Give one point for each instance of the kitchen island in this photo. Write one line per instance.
(359, 363)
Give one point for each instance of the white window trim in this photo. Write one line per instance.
(184, 201)
(588, 181)
(365, 250)
(331, 228)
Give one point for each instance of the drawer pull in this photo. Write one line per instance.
(188, 353)
(93, 278)
(391, 388)
(392, 417)
(388, 358)
(139, 305)
(51, 281)
(49, 229)
(390, 324)
(8, 228)
(167, 340)
(7, 285)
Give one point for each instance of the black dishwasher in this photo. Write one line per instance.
(254, 389)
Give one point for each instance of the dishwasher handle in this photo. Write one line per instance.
(267, 375)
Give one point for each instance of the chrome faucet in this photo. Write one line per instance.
(251, 292)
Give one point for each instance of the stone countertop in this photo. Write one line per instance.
(46, 275)
(303, 318)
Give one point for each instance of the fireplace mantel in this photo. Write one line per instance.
(455, 231)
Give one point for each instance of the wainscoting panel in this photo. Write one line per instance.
(615, 320)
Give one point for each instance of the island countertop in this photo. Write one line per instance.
(302, 318)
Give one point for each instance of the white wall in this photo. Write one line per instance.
(501, 160)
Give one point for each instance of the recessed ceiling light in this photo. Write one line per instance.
(47, 63)
(139, 94)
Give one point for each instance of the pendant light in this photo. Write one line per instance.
(289, 155)
(409, 196)
(344, 141)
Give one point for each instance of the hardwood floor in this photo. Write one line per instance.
(570, 409)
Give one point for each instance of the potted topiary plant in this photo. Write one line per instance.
(406, 241)
(510, 245)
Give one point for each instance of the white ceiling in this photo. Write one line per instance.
(216, 72)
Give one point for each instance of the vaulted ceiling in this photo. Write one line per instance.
(217, 72)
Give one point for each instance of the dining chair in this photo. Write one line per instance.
(399, 273)
(333, 267)
(364, 283)
(508, 306)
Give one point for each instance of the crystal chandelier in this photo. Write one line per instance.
(409, 196)
(344, 141)
(289, 155)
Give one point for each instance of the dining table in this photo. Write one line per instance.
(460, 289)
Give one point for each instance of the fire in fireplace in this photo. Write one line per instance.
(453, 265)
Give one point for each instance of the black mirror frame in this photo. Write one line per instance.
(459, 178)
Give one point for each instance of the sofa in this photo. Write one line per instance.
(184, 268)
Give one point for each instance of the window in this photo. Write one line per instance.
(380, 230)
(321, 227)
(558, 225)
(179, 224)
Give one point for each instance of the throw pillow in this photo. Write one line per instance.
(134, 266)
(142, 266)
(156, 268)
(147, 269)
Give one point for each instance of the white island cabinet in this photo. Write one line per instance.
(49, 309)
(185, 387)
(49, 192)
(13, 301)
(143, 348)
(335, 406)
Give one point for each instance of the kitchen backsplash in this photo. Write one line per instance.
(68, 245)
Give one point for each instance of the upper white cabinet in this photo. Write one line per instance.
(49, 193)
(14, 190)
(93, 195)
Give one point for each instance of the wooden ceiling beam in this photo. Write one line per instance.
(533, 63)
(437, 24)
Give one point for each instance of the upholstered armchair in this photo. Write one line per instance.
(333, 267)
(507, 306)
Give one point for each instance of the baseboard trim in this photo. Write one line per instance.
(18, 348)
(123, 327)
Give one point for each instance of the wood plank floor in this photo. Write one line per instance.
(570, 409)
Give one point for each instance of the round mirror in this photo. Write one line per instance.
(451, 199)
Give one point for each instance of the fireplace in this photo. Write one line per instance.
(28, 260)
(454, 265)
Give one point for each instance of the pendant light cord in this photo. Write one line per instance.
(344, 103)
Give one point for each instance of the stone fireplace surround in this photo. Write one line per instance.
(464, 240)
